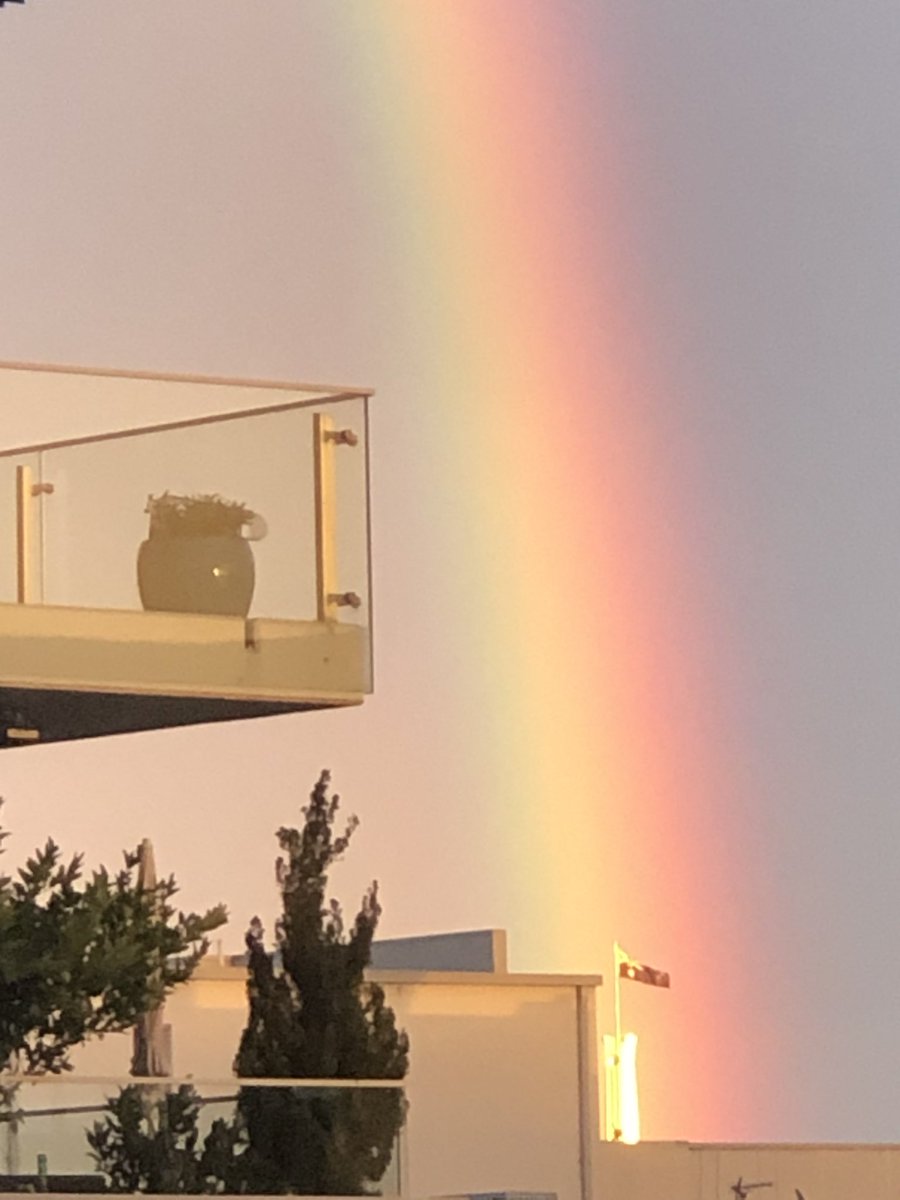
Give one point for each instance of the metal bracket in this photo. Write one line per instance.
(325, 438)
(17, 727)
(29, 582)
(344, 599)
(16, 734)
(341, 437)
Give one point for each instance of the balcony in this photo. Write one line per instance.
(45, 1125)
(203, 569)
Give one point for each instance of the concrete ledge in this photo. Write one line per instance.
(234, 969)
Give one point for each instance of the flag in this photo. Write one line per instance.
(629, 968)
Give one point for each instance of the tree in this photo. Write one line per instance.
(144, 1152)
(81, 957)
(313, 1015)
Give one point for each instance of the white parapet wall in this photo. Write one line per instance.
(502, 1089)
(695, 1171)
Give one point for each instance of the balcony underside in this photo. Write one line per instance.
(70, 673)
(62, 716)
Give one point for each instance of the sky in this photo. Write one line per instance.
(625, 276)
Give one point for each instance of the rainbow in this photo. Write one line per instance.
(583, 627)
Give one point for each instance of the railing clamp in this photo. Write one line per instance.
(344, 599)
(341, 437)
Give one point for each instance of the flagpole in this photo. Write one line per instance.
(617, 996)
(617, 1045)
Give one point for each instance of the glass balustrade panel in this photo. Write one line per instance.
(48, 1136)
(9, 523)
(350, 499)
(95, 521)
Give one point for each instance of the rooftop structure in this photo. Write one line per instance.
(503, 1089)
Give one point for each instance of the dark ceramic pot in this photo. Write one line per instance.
(196, 575)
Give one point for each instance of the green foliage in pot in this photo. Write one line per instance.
(196, 516)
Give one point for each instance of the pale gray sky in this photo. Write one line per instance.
(203, 187)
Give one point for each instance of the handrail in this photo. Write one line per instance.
(185, 423)
(11, 1078)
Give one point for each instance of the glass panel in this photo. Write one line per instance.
(217, 516)
(9, 522)
(351, 487)
(45, 1144)
(78, 405)
(96, 518)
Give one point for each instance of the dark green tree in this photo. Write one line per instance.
(153, 1147)
(149, 1142)
(313, 1015)
(85, 956)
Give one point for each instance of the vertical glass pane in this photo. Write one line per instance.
(47, 1149)
(96, 519)
(213, 517)
(351, 502)
(9, 550)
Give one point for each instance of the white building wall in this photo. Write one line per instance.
(493, 1088)
(683, 1171)
(497, 1102)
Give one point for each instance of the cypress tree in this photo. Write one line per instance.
(312, 1014)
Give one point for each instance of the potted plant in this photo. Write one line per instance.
(196, 557)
